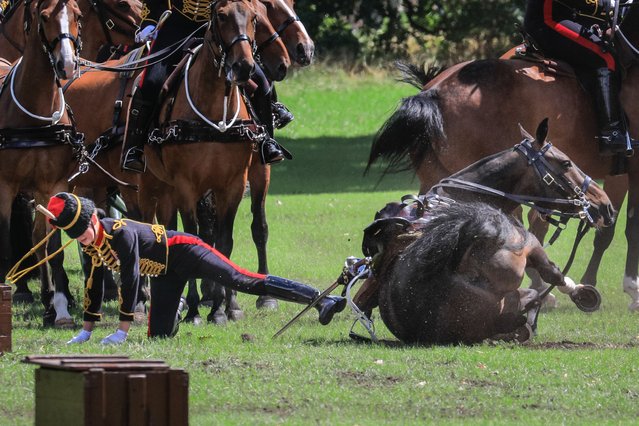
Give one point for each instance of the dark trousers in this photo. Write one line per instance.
(192, 258)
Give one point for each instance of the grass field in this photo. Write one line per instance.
(580, 369)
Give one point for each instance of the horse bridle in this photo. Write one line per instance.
(222, 47)
(576, 195)
(108, 25)
(49, 46)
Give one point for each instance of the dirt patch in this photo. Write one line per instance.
(369, 379)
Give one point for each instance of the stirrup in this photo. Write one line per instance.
(133, 160)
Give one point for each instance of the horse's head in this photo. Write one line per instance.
(561, 183)
(299, 44)
(114, 21)
(230, 34)
(57, 25)
(271, 51)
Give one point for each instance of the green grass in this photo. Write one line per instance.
(580, 369)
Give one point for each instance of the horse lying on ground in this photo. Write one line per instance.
(491, 256)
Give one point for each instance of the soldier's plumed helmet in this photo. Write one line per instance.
(73, 213)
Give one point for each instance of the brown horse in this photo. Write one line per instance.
(463, 264)
(40, 143)
(442, 128)
(104, 22)
(217, 149)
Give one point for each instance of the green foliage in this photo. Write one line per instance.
(446, 30)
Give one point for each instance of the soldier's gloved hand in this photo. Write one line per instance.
(116, 338)
(145, 34)
(82, 337)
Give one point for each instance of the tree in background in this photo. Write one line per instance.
(369, 30)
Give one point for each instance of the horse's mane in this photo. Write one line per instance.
(449, 234)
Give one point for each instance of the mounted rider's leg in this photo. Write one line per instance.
(281, 114)
(612, 128)
(270, 150)
(136, 134)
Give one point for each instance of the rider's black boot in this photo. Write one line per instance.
(292, 291)
(281, 115)
(612, 139)
(136, 135)
(271, 151)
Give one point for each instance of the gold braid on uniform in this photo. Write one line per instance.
(159, 231)
(150, 267)
(196, 10)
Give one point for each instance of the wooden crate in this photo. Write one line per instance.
(5, 318)
(108, 390)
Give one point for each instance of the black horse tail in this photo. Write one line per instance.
(404, 139)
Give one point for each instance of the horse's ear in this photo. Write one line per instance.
(524, 133)
(542, 131)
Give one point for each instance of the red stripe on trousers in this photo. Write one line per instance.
(570, 34)
(191, 240)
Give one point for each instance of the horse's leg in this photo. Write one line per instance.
(630, 284)
(259, 179)
(192, 295)
(21, 232)
(539, 228)
(226, 204)
(616, 188)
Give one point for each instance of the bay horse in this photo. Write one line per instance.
(441, 129)
(39, 142)
(216, 149)
(448, 269)
(104, 23)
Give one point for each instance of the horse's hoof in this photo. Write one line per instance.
(217, 318)
(235, 314)
(587, 298)
(197, 320)
(266, 302)
(634, 306)
(22, 298)
(64, 323)
(524, 334)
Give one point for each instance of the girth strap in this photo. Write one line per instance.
(188, 131)
(40, 137)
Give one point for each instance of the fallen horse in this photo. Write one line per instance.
(447, 268)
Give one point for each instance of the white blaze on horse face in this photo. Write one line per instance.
(290, 12)
(67, 52)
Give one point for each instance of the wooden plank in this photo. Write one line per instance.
(5, 323)
(95, 397)
(5, 292)
(157, 394)
(116, 396)
(58, 398)
(178, 396)
(137, 400)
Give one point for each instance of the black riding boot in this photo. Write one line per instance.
(137, 130)
(281, 115)
(292, 291)
(612, 139)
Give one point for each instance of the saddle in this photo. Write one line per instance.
(528, 51)
(400, 222)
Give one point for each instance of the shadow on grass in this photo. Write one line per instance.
(330, 165)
